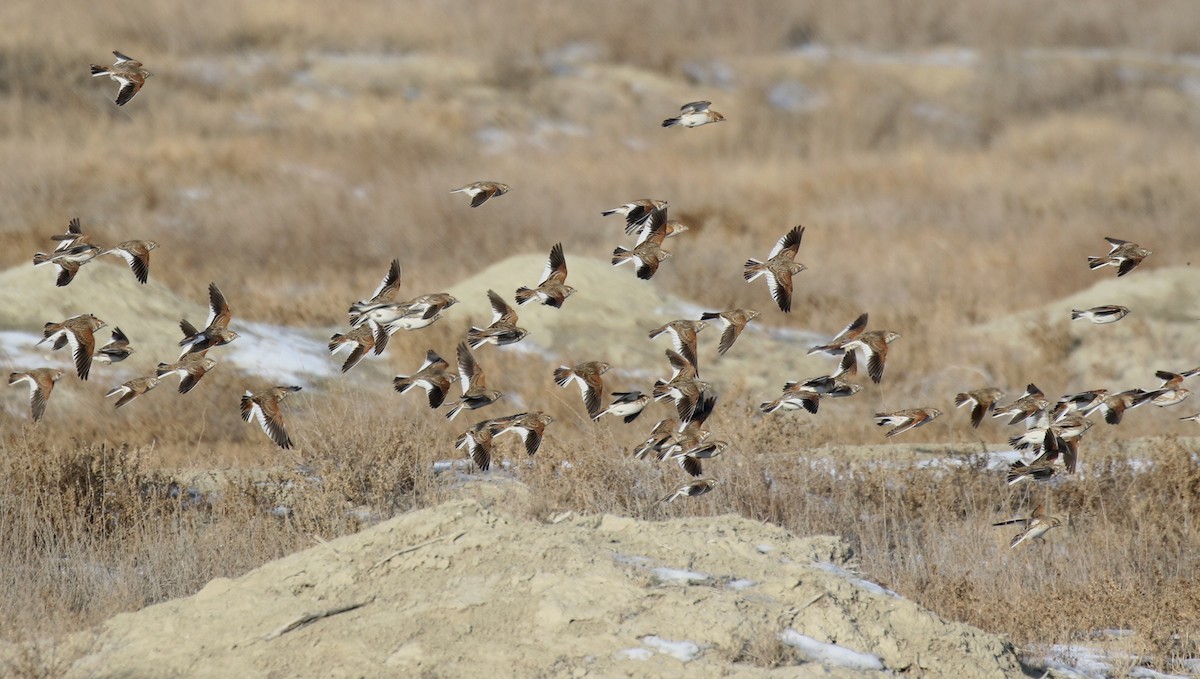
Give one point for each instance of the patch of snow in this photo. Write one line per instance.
(545, 131)
(1190, 87)
(677, 576)
(681, 309)
(1093, 663)
(869, 586)
(714, 73)
(996, 460)
(20, 350)
(567, 59)
(680, 650)
(802, 337)
(795, 97)
(634, 654)
(634, 143)
(764, 548)
(830, 654)
(947, 56)
(279, 353)
(1147, 673)
(440, 466)
(495, 140)
(741, 583)
(194, 193)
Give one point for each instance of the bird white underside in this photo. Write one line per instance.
(424, 384)
(73, 342)
(124, 254)
(1033, 437)
(673, 393)
(343, 346)
(33, 385)
(470, 443)
(867, 351)
(676, 341)
(1032, 533)
(547, 271)
(465, 379)
(623, 409)
(406, 323)
(583, 386)
(52, 337)
(778, 247)
(186, 347)
(121, 390)
(777, 290)
(256, 412)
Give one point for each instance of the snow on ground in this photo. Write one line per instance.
(676, 576)
(830, 654)
(19, 351)
(680, 650)
(872, 587)
(274, 352)
(1087, 662)
(282, 354)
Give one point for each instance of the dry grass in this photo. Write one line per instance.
(89, 531)
(291, 154)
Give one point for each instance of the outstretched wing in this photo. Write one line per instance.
(218, 309)
(556, 265)
(501, 311)
(386, 292)
(789, 243)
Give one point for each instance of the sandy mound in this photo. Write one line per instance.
(149, 314)
(1160, 333)
(464, 591)
(611, 313)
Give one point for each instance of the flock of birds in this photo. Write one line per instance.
(1053, 428)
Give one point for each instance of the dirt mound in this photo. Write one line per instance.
(461, 590)
(1161, 331)
(610, 315)
(149, 314)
